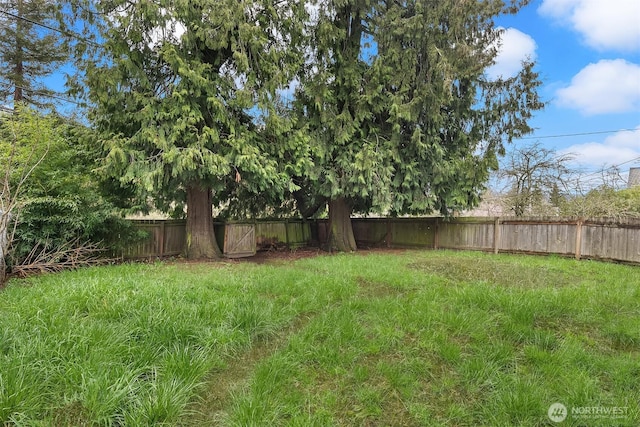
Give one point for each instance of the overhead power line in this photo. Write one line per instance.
(579, 134)
(48, 27)
(613, 167)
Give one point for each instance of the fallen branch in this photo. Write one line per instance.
(71, 256)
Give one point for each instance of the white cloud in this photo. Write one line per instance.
(619, 148)
(608, 86)
(515, 47)
(602, 24)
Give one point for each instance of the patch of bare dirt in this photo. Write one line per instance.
(284, 256)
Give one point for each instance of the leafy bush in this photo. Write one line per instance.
(53, 221)
(62, 200)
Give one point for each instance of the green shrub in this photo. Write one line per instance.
(61, 202)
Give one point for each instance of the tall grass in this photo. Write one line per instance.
(442, 338)
(417, 338)
(129, 345)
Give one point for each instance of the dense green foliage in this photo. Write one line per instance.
(28, 51)
(60, 202)
(392, 104)
(186, 99)
(432, 338)
(403, 117)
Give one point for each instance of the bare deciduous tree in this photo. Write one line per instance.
(17, 162)
(533, 177)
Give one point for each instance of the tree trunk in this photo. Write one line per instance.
(19, 65)
(340, 237)
(4, 245)
(3, 264)
(201, 240)
(3, 272)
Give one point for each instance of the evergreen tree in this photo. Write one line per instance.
(29, 51)
(185, 100)
(403, 115)
(556, 198)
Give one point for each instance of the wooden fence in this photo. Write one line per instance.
(598, 239)
(235, 239)
(165, 238)
(289, 233)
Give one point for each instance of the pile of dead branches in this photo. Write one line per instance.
(70, 256)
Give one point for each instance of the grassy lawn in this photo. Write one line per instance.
(424, 338)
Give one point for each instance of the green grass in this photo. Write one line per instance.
(413, 338)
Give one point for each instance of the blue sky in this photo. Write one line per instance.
(588, 56)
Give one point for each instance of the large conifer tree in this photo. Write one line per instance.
(28, 51)
(404, 117)
(183, 96)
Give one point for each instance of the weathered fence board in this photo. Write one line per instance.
(298, 234)
(466, 235)
(236, 239)
(611, 241)
(418, 233)
(537, 237)
(270, 234)
(290, 233)
(239, 240)
(166, 238)
(370, 231)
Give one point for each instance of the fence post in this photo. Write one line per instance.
(496, 235)
(388, 236)
(436, 227)
(162, 238)
(226, 227)
(286, 232)
(578, 239)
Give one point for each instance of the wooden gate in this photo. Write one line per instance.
(239, 240)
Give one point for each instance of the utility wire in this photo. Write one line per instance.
(579, 134)
(57, 30)
(612, 167)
